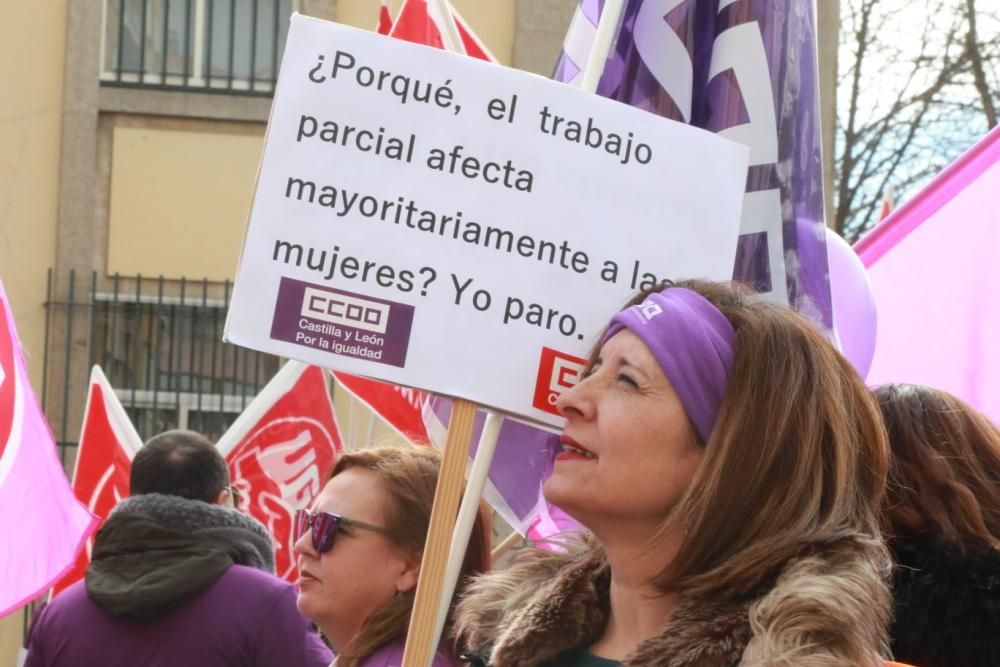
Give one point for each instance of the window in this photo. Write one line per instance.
(224, 45)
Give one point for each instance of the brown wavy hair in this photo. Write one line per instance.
(410, 476)
(944, 478)
(797, 461)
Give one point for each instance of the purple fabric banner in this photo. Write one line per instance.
(745, 69)
(523, 460)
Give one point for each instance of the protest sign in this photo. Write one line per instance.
(444, 223)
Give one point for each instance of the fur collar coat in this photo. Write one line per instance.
(829, 608)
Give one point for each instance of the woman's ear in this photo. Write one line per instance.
(407, 579)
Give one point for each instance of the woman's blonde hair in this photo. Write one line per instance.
(797, 459)
(944, 478)
(409, 476)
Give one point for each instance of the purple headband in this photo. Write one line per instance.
(693, 343)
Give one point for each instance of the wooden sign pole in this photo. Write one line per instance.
(420, 637)
(423, 629)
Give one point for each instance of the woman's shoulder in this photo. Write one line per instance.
(535, 583)
(976, 563)
(947, 603)
(391, 655)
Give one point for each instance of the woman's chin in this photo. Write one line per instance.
(559, 490)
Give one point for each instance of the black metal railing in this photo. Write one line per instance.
(159, 342)
(230, 46)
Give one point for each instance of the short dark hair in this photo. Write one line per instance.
(179, 463)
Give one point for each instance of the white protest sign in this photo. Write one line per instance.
(437, 221)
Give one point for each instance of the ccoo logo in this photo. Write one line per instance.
(557, 372)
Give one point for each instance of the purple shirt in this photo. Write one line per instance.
(391, 655)
(246, 618)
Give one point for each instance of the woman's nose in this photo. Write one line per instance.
(304, 545)
(576, 401)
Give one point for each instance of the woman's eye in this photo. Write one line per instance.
(622, 377)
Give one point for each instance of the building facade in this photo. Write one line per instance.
(130, 133)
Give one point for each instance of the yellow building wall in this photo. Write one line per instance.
(179, 200)
(493, 21)
(32, 46)
(32, 39)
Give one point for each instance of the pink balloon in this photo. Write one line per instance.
(855, 320)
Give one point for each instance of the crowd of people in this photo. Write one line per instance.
(745, 499)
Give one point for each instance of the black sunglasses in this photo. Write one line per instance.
(325, 526)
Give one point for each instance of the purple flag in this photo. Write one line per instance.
(745, 69)
(523, 459)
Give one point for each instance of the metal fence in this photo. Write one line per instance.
(230, 46)
(158, 341)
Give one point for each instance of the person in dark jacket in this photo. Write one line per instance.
(943, 519)
(177, 577)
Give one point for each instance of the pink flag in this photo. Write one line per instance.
(280, 453)
(42, 525)
(934, 265)
(108, 443)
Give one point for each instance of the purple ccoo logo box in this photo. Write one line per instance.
(343, 323)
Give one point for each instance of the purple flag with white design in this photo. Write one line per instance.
(745, 69)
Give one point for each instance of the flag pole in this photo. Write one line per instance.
(449, 30)
(420, 636)
(500, 550)
(607, 28)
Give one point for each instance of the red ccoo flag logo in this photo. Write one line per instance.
(557, 372)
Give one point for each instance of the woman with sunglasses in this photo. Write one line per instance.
(729, 465)
(360, 549)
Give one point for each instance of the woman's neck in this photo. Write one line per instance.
(638, 610)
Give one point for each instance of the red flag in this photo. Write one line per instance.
(424, 22)
(280, 452)
(470, 40)
(888, 201)
(384, 19)
(108, 443)
(400, 407)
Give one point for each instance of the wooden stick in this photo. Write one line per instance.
(467, 516)
(509, 543)
(419, 648)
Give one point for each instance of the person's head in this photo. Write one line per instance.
(181, 463)
(360, 591)
(944, 474)
(725, 426)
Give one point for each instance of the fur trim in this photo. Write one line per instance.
(826, 609)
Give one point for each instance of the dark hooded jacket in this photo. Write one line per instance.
(947, 604)
(176, 582)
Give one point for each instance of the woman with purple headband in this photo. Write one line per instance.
(728, 464)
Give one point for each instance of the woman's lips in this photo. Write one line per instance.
(573, 451)
(305, 578)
